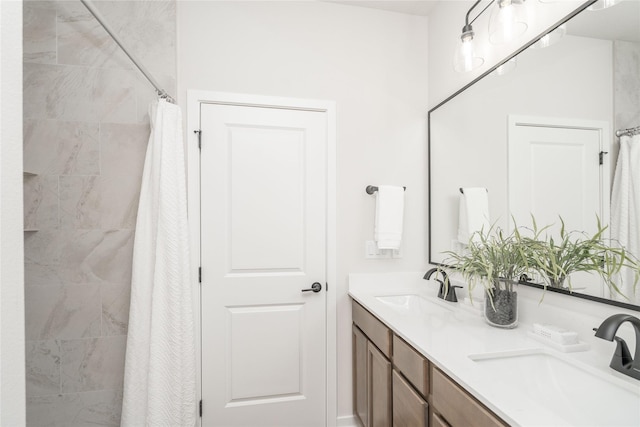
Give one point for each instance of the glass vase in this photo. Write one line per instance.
(501, 304)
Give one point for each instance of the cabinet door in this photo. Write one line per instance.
(360, 383)
(379, 369)
(409, 408)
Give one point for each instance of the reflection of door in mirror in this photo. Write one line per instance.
(556, 170)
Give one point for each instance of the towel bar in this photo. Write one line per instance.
(462, 192)
(372, 189)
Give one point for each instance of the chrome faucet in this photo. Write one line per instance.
(446, 292)
(622, 360)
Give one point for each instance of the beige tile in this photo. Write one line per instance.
(40, 202)
(123, 148)
(61, 147)
(626, 57)
(115, 308)
(83, 41)
(39, 32)
(43, 252)
(96, 408)
(72, 93)
(56, 257)
(62, 312)
(96, 256)
(104, 202)
(42, 367)
(92, 364)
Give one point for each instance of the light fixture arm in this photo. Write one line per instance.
(467, 23)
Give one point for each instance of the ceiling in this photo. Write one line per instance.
(413, 7)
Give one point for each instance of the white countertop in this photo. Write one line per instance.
(448, 338)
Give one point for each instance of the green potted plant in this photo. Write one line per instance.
(495, 260)
(574, 251)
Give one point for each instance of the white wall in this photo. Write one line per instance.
(12, 380)
(374, 65)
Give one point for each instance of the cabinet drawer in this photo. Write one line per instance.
(436, 421)
(374, 329)
(409, 409)
(458, 407)
(412, 365)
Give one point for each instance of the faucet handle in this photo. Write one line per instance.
(622, 355)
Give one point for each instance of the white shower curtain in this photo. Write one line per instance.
(625, 208)
(160, 371)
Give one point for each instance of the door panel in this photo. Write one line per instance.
(275, 373)
(263, 239)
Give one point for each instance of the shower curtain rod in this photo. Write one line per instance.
(628, 132)
(96, 14)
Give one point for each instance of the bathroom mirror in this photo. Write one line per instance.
(586, 85)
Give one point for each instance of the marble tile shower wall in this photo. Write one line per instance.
(626, 57)
(85, 135)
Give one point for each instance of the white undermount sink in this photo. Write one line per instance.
(578, 393)
(412, 304)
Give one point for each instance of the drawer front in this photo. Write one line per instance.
(436, 421)
(458, 407)
(374, 329)
(412, 365)
(409, 408)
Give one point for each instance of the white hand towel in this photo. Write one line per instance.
(474, 213)
(389, 217)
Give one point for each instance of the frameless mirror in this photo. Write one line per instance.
(541, 137)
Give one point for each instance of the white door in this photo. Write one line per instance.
(263, 217)
(555, 169)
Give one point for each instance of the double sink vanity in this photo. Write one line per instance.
(422, 361)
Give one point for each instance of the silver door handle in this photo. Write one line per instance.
(316, 287)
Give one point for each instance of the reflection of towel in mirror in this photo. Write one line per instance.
(625, 209)
(474, 212)
(389, 213)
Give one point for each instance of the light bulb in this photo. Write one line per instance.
(507, 21)
(467, 57)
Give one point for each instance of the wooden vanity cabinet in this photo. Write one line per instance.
(394, 385)
(371, 369)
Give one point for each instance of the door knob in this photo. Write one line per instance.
(316, 287)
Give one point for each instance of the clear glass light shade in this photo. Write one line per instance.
(603, 4)
(467, 57)
(550, 38)
(508, 21)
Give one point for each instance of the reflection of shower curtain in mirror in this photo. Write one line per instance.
(625, 208)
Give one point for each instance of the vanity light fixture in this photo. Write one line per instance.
(508, 21)
(603, 4)
(467, 56)
(551, 37)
